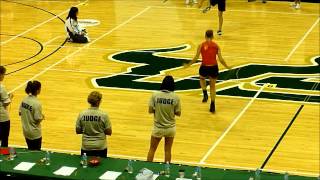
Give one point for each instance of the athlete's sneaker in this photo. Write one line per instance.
(264, 1)
(297, 6)
(219, 33)
(188, 1)
(205, 98)
(205, 10)
(195, 1)
(164, 1)
(251, 0)
(212, 107)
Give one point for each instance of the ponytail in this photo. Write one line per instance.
(33, 87)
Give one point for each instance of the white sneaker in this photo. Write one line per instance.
(195, 1)
(297, 6)
(205, 10)
(187, 1)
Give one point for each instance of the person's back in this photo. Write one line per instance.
(93, 123)
(165, 105)
(31, 116)
(209, 51)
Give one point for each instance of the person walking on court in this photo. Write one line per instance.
(221, 9)
(164, 105)
(31, 116)
(94, 125)
(74, 32)
(209, 67)
(5, 100)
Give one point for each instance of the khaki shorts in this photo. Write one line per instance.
(163, 132)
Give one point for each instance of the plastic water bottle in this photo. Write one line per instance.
(84, 160)
(257, 174)
(11, 153)
(130, 167)
(286, 176)
(47, 158)
(167, 169)
(198, 171)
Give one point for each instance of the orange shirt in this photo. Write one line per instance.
(209, 51)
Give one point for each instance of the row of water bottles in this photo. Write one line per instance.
(257, 175)
(196, 174)
(167, 172)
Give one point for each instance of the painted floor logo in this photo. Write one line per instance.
(286, 82)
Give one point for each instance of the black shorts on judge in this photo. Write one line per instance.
(99, 153)
(211, 71)
(34, 144)
(221, 4)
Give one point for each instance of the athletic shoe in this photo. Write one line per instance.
(297, 6)
(195, 1)
(187, 1)
(212, 107)
(219, 33)
(205, 10)
(164, 1)
(205, 98)
(251, 0)
(264, 1)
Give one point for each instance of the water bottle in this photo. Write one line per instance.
(198, 170)
(47, 158)
(257, 174)
(286, 176)
(11, 153)
(130, 167)
(167, 169)
(84, 160)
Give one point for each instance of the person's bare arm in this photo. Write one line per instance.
(221, 59)
(195, 58)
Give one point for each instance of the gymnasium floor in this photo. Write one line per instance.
(267, 104)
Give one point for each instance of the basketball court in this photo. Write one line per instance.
(267, 105)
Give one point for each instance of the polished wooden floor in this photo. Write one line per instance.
(240, 135)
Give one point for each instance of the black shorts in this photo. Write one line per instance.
(211, 71)
(34, 144)
(99, 153)
(221, 4)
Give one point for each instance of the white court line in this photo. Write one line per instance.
(51, 40)
(239, 10)
(301, 40)
(181, 162)
(230, 127)
(30, 29)
(83, 47)
(178, 53)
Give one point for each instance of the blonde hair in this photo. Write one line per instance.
(94, 98)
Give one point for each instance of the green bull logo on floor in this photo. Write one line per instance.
(286, 82)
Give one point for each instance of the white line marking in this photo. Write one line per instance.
(83, 47)
(30, 29)
(182, 162)
(230, 127)
(51, 40)
(301, 40)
